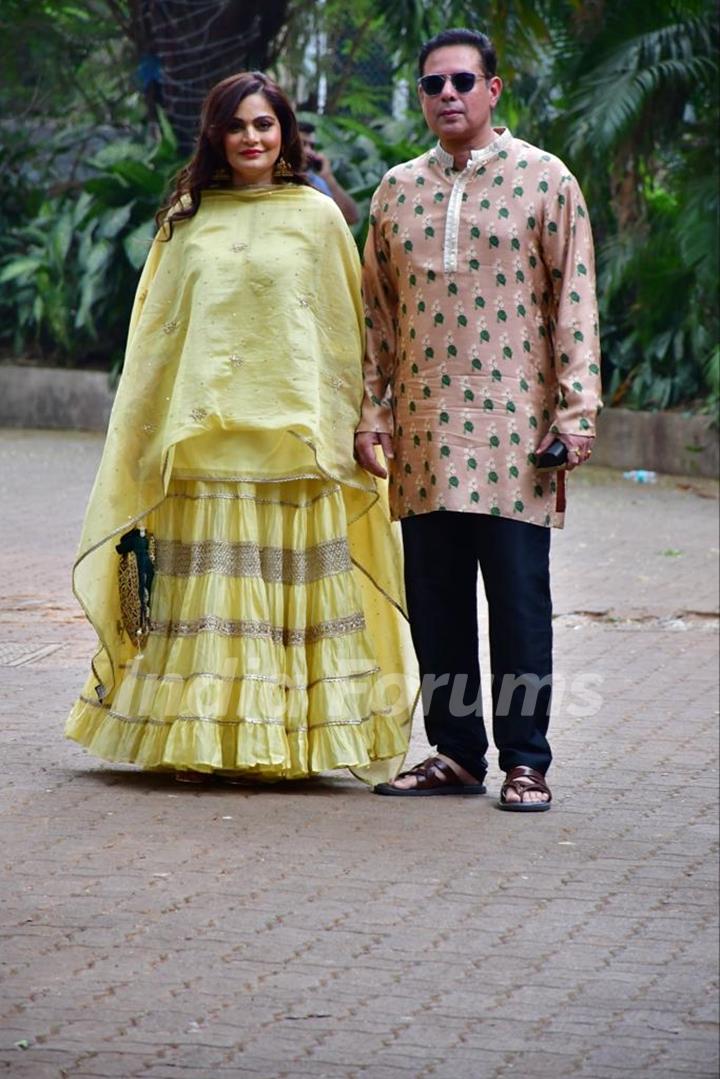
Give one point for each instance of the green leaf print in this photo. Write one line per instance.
(584, 425)
(502, 315)
(526, 346)
(408, 245)
(542, 186)
(494, 241)
(577, 386)
(479, 301)
(462, 320)
(469, 395)
(488, 405)
(454, 481)
(475, 232)
(444, 451)
(519, 506)
(476, 363)
(422, 492)
(594, 369)
(416, 440)
(575, 296)
(439, 318)
(427, 392)
(420, 180)
(414, 368)
(429, 232)
(500, 279)
(578, 335)
(518, 191)
(419, 210)
(472, 463)
(444, 417)
(503, 212)
(438, 196)
(452, 289)
(521, 310)
(468, 426)
(519, 275)
(522, 164)
(408, 468)
(510, 406)
(429, 353)
(369, 322)
(513, 471)
(421, 306)
(494, 441)
(498, 181)
(474, 496)
(474, 264)
(533, 262)
(497, 375)
(431, 275)
(494, 511)
(401, 199)
(507, 352)
(485, 204)
(492, 477)
(446, 380)
(484, 335)
(515, 438)
(524, 385)
(531, 222)
(538, 491)
(412, 280)
(412, 407)
(581, 268)
(515, 245)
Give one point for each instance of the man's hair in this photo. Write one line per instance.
(479, 41)
(305, 127)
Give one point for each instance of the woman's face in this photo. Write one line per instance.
(253, 141)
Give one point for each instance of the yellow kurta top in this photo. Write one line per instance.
(482, 329)
(244, 362)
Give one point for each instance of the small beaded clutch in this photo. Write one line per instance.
(136, 570)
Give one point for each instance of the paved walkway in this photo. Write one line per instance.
(316, 930)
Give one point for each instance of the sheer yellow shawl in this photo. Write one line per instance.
(246, 338)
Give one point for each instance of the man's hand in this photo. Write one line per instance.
(579, 447)
(365, 441)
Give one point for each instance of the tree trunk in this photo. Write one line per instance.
(200, 42)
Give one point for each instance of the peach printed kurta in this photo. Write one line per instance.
(482, 328)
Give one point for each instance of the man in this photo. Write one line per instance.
(482, 351)
(321, 176)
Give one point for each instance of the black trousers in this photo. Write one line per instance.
(442, 553)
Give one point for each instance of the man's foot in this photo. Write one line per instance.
(435, 775)
(525, 791)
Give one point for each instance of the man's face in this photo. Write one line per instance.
(459, 119)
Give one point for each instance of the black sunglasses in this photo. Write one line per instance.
(462, 81)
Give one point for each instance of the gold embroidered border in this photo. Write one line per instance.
(251, 720)
(224, 627)
(273, 564)
(264, 678)
(228, 496)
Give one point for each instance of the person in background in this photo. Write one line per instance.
(320, 174)
(482, 349)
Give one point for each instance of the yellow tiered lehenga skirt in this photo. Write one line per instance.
(258, 661)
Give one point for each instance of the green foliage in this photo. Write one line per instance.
(69, 273)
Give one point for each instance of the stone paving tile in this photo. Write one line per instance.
(323, 931)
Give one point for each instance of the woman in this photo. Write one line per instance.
(276, 606)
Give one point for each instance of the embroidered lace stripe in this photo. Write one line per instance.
(210, 623)
(275, 564)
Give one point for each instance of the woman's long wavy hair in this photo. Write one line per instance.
(208, 167)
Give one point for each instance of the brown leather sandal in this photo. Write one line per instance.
(523, 779)
(433, 776)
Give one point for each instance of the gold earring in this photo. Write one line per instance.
(282, 168)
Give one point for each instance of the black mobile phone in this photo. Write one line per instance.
(553, 458)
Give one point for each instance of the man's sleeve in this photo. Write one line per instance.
(568, 254)
(380, 298)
